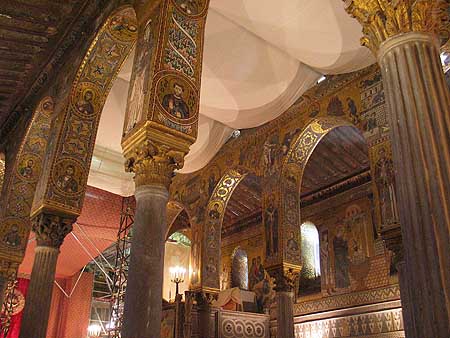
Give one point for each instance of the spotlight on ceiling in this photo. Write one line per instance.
(323, 78)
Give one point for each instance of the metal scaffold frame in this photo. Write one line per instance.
(121, 266)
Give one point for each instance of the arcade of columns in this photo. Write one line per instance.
(405, 37)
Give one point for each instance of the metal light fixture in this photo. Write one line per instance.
(177, 274)
(94, 331)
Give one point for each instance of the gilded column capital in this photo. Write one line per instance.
(383, 19)
(285, 278)
(51, 229)
(153, 163)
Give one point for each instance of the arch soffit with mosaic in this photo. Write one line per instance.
(291, 181)
(21, 184)
(62, 189)
(214, 215)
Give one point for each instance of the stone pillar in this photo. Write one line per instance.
(419, 120)
(143, 300)
(404, 37)
(285, 281)
(50, 232)
(153, 165)
(285, 313)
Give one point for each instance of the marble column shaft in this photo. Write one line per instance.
(39, 295)
(143, 299)
(419, 107)
(285, 314)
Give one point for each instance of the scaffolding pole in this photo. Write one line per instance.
(122, 261)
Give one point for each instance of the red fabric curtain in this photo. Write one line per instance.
(16, 320)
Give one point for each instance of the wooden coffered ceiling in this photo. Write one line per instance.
(340, 155)
(30, 33)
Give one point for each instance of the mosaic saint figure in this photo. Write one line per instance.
(138, 91)
(253, 274)
(352, 110)
(260, 271)
(341, 260)
(385, 181)
(85, 105)
(67, 182)
(215, 213)
(271, 228)
(12, 238)
(292, 246)
(175, 104)
(27, 170)
(224, 278)
(325, 262)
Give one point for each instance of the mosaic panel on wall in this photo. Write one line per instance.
(68, 170)
(19, 192)
(272, 152)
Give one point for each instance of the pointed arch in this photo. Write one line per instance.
(73, 145)
(20, 185)
(211, 241)
(291, 181)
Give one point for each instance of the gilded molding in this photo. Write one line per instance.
(51, 230)
(383, 19)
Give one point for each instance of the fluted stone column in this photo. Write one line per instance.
(143, 300)
(419, 108)
(50, 232)
(404, 37)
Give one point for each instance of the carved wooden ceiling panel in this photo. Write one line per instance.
(30, 33)
(244, 205)
(340, 155)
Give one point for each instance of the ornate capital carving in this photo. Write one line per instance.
(153, 163)
(392, 237)
(382, 19)
(285, 278)
(51, 229)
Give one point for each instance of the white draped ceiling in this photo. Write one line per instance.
(259, 57)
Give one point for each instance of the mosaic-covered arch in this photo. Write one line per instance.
(211, 235)
(20, 186)
(291, 181)
(62, 187)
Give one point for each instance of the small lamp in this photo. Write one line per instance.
(177, 274)
(94, 330)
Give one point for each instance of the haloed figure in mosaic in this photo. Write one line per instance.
(175, 104)
(67, 181)
(385, 180)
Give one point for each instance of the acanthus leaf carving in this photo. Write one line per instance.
(382, 19)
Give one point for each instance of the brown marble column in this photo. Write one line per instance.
(50, 232)
(404, 37)
(285, 279)
(143, 299)
(419, 108)
(153, 165)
